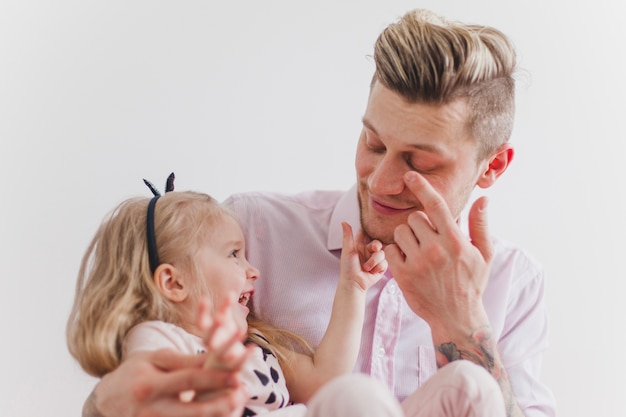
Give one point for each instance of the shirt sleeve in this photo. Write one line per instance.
(153, 335)
(523, 343)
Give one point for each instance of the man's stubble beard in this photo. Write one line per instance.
(388, 236)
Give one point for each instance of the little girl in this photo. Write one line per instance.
(151, 267)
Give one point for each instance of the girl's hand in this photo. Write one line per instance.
(225, 350)
(222, 337)
(362, 267)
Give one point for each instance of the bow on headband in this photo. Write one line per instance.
(153, 255)
(169, 185)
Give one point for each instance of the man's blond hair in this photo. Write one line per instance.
(428, 59)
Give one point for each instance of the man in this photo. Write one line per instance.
(437, 124)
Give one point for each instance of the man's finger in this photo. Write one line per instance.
(435, 206)
(479, 228)
(170, 360)
(422, 227)
(173, 383)
(224, 403)
(406, 240)
(394, 255)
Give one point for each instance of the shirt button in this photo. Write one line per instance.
(380, 352)
(392, 288)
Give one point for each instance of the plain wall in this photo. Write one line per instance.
(267, 95)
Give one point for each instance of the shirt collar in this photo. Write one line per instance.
(346, 210)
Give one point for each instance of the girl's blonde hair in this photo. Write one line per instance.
(115, 289)
(282, 343)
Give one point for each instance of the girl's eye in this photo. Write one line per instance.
(235, 253)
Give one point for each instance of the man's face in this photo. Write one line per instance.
(397, 137)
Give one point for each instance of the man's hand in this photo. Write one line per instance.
(165, 383)
(441, 273)
(149, 384)
(443, 276)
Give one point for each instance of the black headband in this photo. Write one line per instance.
(153, 255)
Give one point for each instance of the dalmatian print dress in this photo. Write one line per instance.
(262, 374)
(265, 382)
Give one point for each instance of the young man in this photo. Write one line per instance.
(437, 124)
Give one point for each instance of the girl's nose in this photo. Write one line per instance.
(252, 273)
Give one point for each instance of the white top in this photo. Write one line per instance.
(262, 374)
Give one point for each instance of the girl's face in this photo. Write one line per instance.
(223, 264)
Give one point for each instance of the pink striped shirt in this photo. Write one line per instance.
(295, 241)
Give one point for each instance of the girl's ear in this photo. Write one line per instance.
(497, 164)
(171, 283)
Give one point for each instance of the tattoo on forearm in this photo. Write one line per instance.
(480, 348)
(450, 353)
(480, 351)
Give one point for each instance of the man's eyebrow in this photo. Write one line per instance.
(368, 125)
(419, 146)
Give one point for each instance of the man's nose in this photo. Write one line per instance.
(387, 177)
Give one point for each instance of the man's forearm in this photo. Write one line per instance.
(480, 348)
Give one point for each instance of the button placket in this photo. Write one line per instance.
(386, 330)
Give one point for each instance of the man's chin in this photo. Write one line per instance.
(374, 226)
(378, 232)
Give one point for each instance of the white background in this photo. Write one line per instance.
(268, 95)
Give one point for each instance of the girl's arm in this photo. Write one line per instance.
(339, 348)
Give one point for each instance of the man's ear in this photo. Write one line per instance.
(496, 165)
(171, 283)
